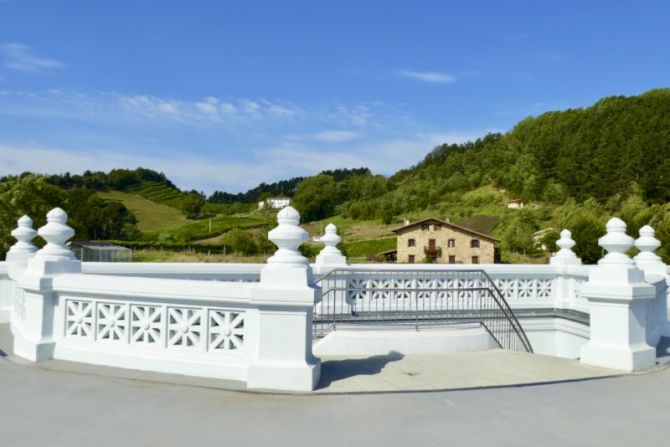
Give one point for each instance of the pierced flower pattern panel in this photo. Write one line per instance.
(112, 322)
(226, 330)
(357, 289)
(184, 327)
(79, 319)
(146, 324)
(524, 289)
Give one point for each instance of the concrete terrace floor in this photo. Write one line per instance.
(67, 404)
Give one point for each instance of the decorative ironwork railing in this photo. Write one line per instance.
(417, 297)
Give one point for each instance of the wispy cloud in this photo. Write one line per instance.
(427, 76)
(20, 57)
(326, 136)
(206, 109)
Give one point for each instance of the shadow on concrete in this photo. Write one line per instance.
(663, 349)
(334, 370)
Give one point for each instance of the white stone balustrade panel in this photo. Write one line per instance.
(523, 286)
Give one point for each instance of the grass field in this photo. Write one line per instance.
(194, 230)
(151, 216)
(369, 248)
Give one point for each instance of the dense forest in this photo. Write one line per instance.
(117, 179)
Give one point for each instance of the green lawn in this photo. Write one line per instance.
(151, 216)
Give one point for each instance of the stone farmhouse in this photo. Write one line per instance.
(443, 242)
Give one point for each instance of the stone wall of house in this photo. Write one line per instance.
(462, 250)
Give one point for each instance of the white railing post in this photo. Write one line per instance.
(282, 352)
(656, 272)
(330, 257)
(32, 323)
(618, 294)
(19, 253)
(563, 260)
(17, 258)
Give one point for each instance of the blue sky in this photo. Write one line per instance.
(227, 94)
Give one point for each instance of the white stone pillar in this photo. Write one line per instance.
(617, 295)
(282, 356)
(19, 253)
(33, 322)
(17, 258)
(655, 272)
(330, 257)
(564, 261)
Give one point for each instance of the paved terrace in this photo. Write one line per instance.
(67, 404)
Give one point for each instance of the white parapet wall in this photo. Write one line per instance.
(254, 322)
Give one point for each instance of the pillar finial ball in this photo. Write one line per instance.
(331, 238)
(565, 242)
(288, 215)
(616, 242)
(56, 232)
(25, 221)
(647, 231)
(288, 236)
(565, 256)
(57, 215)
(647, 244)
(616, 225)
(24, 234)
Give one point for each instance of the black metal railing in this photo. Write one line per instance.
(418, 298)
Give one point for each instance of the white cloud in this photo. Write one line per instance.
(209, 108)
(20, 57)
(326, 136)
(428, 76)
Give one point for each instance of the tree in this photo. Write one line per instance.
(316, 197)
(241, 241)
(586, 230)
(191, 205)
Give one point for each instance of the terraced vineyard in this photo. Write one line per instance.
(159, 193)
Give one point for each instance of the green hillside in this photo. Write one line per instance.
(151, 216)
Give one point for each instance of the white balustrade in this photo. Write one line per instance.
(258, 332)
(252, 322)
